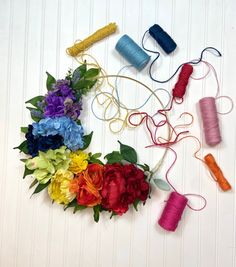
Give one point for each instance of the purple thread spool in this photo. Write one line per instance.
(210, 120)
(173, 211)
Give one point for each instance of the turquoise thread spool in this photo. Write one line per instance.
(133, 53)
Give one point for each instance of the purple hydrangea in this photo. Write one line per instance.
(62, 88)
(54, 105)
(72, 110)
(62, 101)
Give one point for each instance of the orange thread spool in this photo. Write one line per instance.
(216, 171)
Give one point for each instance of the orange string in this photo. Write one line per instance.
(216, 172)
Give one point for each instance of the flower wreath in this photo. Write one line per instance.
(55, 144)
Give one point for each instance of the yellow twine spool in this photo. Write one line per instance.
(95, 37)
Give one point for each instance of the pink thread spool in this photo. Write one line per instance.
(210, 120)
(173, 211)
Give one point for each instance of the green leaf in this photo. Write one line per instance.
(94, 158)
(35, 100)
(78, 74)
(36, 119)
(24, 129)
(91, 73)
(135, 204)
(78, 95)
(71, 204)
(161, 184)
(74, 204)
(78, 208)
(145, 167)
(98, 161)
(113, 214)
(97, 209)
(87, 140)
(23, 147)
(81, 70)
(50, 81)
(27, 172)
(128, 153)
(96, 155)
(69, 74)
(40, 187)
(84, 84)
(33, 183)
(113, 157)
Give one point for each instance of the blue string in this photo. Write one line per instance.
(118, 102)
(133, 53)
(193, 62)
(145, 102)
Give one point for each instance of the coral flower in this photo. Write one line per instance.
(86, 185)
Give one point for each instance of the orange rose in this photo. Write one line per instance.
(96, 174)
(87, 184)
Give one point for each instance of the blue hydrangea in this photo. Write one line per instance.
(71, 132)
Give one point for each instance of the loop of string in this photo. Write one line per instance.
(110, 100)
(231, 102)
(217, 96)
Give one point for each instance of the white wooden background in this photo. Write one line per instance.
(33, 233)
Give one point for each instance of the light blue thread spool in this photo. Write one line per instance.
(132, 52)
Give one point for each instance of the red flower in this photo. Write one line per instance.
(137, 187)
(122, 185)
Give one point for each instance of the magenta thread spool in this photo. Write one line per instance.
(173, 211)
(210, 120)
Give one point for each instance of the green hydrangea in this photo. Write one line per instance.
(47, 163)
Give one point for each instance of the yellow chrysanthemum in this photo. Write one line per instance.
(58, 189)
(79, 161)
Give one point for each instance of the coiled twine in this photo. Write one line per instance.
(181, 85)
(132, 52)
(173, 211)
(210, 120)
(95, 37)
(162, 38)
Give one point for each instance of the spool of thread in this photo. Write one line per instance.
(162, 38)
(95, 37)
(217, 172)
(173, 211)
(210, 120)
(132, 52)
(181, 85)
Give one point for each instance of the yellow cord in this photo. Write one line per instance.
(100, 34)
